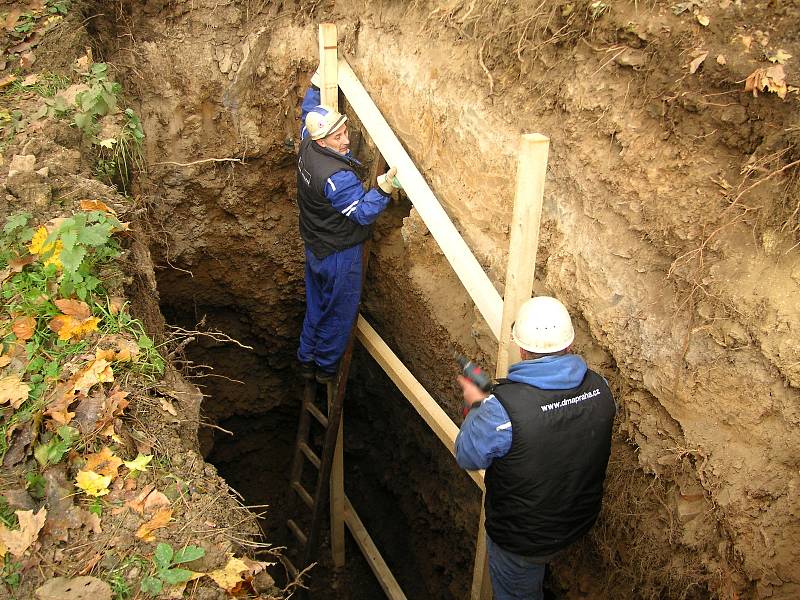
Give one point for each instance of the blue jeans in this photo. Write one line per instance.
(333, 293)
(514, 577)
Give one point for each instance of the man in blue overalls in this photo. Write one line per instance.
(336, 215)
(544, 438)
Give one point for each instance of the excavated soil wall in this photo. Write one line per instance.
(669, 228)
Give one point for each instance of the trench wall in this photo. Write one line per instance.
(700, 347)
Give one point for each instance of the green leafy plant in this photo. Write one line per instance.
(34, 483)
(52, 451)
(58, 7)
(99, 100)
(11, 572)
(121, 155)
(165, 571)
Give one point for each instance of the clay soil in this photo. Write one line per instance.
(670, 229)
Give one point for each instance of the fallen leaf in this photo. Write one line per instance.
(97, 205)
(70, 328)
(155, 501)
(24, 327)
(721, 59)
(780, 57)
(17, 541)
(137, 504)
(13, 390)
(695, 64)
(17, 264)
(703, 20)
(139, 463)
(91, 563)
(76, 588)
(230, 575)
(103, 462)
(159, 520)
(30, 80)
(75, 308)
(115, 304)
(11, 18)
(7, 80)
(167, 406)
(97, 371)
(58, 409)
(27, 60)
(771, 79)
(4, 361)
(93, 484)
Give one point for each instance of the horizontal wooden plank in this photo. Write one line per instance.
(379, 567)
(317, 414)
(420, 399)
(455, 249)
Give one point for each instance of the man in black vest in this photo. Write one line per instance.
(544, 438)
(336, 217)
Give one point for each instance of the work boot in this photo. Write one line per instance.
(307, 370)
(325, 376)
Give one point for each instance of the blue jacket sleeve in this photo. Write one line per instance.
(484, 436)
(310, 100)
(346, 195)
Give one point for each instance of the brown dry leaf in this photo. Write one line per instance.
(97, 371)
(771, 79)
(74, 308)
(77, 588)
(137, 504)
(703, 20)
(125, 347)
(91, 563)
(4, 274)
(695, 64)
(159, 520)
(97, 205)
(17, 264)
(13, 390)
(115, 304)
(24, 327)
(155, 501)
(104, 462)
(7, 80)
(4, 360)
(27, 60)
(12, 18)
(58, 410)
(30, 80)
(18, 541)
(167, 406)
(107, 355)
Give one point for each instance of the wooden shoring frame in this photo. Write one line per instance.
(498, 312)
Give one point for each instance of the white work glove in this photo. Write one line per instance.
(316, 78)
(388, 182)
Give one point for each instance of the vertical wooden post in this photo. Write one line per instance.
(329, 92)
(522, 246)
(329, 65)
(523, 239)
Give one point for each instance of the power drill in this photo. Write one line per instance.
(475, 374)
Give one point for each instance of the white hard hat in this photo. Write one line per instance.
(543, 326)
(322, 121)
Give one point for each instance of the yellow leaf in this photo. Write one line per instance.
(37, 242)
(93, 483)
(159, 520)
(780, 57)
(97, 371)
(13, 390)
(24, 327)
(703, 20)
(139, 463)
(17, 541)
(230, 575)
(103, 462)
(53, 251)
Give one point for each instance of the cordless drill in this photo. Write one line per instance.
(472, 372)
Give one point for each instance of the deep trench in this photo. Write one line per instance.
(391, 459)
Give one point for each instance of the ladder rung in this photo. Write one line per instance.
(317, 414)
(304, 495)
(313, 458)
(301, 537)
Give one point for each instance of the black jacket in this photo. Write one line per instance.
(547, 491)
(323, 229)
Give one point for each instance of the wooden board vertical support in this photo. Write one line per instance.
(522, 246)
(523, 240)
(328, 65)
(329, 92)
